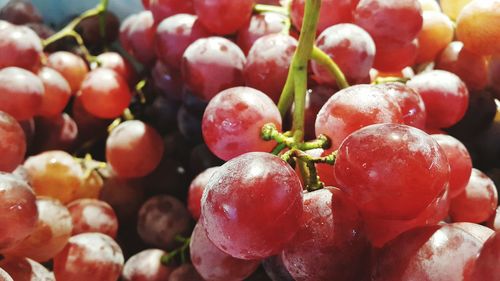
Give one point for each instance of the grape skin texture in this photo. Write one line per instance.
(146, 266)
(351, 48)
(134, 149)
(494, 221)
(104, 93)
(50, 235)
(24, 269)
(486, 265)
(17, 208)
(267, 64)
(214, 264)
(137, 34)
(174, 34)
(478, 26)
(330, 244)
(90, 215)
(12, 143)
(478, 200)
(436, 34)
(459, 160)
(185, 272)
(259, 26)
(55, 174)
(21, 92)
(353, 108)
(233, 120)
(391, 171)
(89, 256)
(161, 219)
(20, 47)
(255, 193)
(196, 189)
(231, 15)
(57, 92)
(411, 103)
(119, 64)
(395, 59)
(213, 64)
(72, 67)
(390, 22)
(162, 9)
(445, 97)
(426, 253)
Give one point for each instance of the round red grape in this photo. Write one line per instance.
(12, 143)
(19, 46)
(162, 9)
(146, 266)
(196, 189)
(391, 171)
(252, 206)
(231, 15)
(233, 121)
(57, 92)
(72, 67)
(137, 34)
(91, 215)
(258, 26)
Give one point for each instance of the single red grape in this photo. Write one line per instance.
(486, 265)
(118, 63)
(134, 149)
(391, 171)
(12, 143)
(89, 256)
(445, 97)
(196, 189)
(104, 93)
(21, 93)
(162, 9)
(231, 15)
(91, 215)
(146, 266)
(233, 121)
(57, 92)
(436, 34)
(72, 67)
(477, 202)
(214, 264)
(213, 64)
(252, 206)
(137, 34)
(19, 46)
(351, 48)
(174, 34)
(24, 269)
(258, 26)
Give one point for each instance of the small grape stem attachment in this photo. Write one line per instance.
(167, 259)
(69, 29)
(384, 80)
(324, 59)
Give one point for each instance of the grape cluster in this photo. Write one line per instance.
(217, 140)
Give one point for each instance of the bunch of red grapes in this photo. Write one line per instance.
(163, 148)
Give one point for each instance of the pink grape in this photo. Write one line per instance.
(231, 15)
(259, 26)
(24, 269)
(12, 143)
(162, 9)
(267, 64)
(252, 205)
(353, 108)
(233, 121)
(214, 264)
(20, 47)
(196, 189)
(137, 33)
(486, 265)
(57, 92)
(391, 171)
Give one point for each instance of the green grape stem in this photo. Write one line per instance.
(167, 259)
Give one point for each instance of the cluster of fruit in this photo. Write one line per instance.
(252, 140)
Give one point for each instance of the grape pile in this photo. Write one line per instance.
(309, 140)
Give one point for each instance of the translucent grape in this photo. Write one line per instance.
(478, 26)
(118, 63)
(459, 160)
(395, 59)
(18, 210)
(104, 93)
(452, 8)
(486, 265)
(12, 143)
(19, 46)
(55, 174)
(72, 67)
(252, 205)
(21, 92)
(162, 9)
(391, 171)
(214, 264)
(134, 149)
(137, 33)
(445, 97)
(50, 235)
(57, 92)
(353, 108)
(233, 121)
(437, 32)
